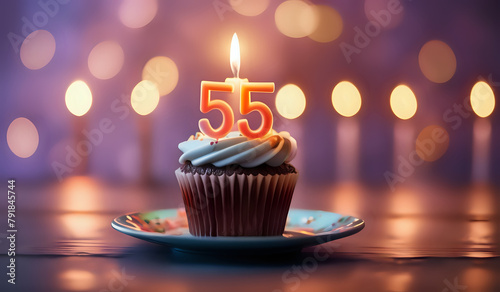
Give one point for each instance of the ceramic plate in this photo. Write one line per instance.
(304, 228)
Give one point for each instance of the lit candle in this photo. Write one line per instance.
(144, 99)
(243, 88)
(346, 100)
(404, 105)
(234, 61)
(482, 101)
(78, 100)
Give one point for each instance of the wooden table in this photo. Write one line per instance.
(418, 238)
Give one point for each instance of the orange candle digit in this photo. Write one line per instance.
(247, 106)
(206, 105)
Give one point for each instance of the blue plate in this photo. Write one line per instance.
(304, 228)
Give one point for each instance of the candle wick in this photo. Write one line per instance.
(235, 69)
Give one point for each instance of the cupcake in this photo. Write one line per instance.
(237, 186)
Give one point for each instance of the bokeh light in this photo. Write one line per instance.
(106, 60)
(80, 194)
(249, 7)
(81, 225)
(22, 137)
(290, 101)
(78, 98)
(403, 102)
(329, 26)
(387, 13)
(77, 280)
(163, 72)
(478, 278)
(346, 99)
(37, 49)
(137, 13)
(482, 99)
(145, 97)
(437, 61)
(295, 18)
(432, 143)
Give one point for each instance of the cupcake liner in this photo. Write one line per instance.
(238, 204)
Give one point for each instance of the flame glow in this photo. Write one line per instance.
(78, 98)
(145, 97)
(290, 101)
(234, 56)
(403, 102)
(482, 99)
(346, 99)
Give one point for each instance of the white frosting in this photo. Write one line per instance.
(273, 150)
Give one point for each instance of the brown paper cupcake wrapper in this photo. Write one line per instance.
(236, 205)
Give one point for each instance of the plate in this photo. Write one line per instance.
(304, 228)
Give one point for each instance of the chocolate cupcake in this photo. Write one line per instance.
(236, 186)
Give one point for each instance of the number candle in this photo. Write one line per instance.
(207, 105)
(240, 87)
(247, 106)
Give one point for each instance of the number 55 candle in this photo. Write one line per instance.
(246, 105)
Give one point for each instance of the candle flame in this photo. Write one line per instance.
(234, 56)
(346, 99)
(78, 98)
(290, 101)
(482, 99)
(403, 102)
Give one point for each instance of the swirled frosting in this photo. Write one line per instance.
(273, 150)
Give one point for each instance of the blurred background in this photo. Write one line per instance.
(403, 73)
(392, 104)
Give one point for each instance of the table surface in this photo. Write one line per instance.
(420, 237)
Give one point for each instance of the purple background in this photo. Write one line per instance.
(192, 34)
